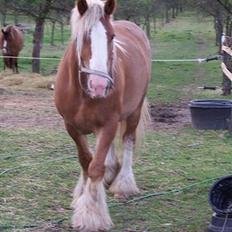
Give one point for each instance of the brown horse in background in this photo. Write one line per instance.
(101, 86)
(11, 43)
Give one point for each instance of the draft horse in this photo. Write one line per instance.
(101, 87)
(11, 43)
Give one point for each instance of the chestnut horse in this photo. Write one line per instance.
(100, 88)
(11, 43)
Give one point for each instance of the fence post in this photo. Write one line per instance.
(226, 83)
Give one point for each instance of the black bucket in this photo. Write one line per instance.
(220, 196)
(220, 223)
(210, 114)
(220, 199)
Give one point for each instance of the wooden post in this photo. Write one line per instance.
(227, 59)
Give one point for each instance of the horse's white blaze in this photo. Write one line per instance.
(4, 43)
(99, 49)
(4, 49)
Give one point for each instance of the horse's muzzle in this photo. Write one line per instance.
(4, 51)
(98, 86)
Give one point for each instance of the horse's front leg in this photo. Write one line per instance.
(85, 158)
(91, 211)
(16, 66)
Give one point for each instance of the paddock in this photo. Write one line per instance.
(39, 168)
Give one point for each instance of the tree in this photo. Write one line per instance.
(40, 11)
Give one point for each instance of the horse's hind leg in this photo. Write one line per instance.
(124, 184)
(111, 167)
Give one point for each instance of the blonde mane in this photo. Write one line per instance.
(81, 25)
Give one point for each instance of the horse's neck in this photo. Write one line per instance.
(72, 68)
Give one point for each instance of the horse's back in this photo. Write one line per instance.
(135, 55)
(20, 38)
(129, 33)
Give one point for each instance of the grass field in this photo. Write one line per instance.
(174, 169)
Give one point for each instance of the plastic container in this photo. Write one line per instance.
(220, 223)
(210, 114)
(220, 196)
(220, 199)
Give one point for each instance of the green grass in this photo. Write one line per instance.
(185, 38)
(39, 168)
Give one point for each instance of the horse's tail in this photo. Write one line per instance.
(144, 123)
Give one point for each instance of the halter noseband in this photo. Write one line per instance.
(95, 72)
(98, 73)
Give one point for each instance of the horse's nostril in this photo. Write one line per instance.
(91, 84)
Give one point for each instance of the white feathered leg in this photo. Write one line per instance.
(111, 167)
(91, 211)
(124, 184)
(79, 189)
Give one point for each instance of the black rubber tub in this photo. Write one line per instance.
(210, 114)
(220, 223)
(220, 196)
(220, 199)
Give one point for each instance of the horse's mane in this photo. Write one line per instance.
(81, 25)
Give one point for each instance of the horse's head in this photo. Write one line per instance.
(94, 34)
(6, 37)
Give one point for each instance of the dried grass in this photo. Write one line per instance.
(25, 80)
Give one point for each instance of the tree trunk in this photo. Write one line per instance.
(218, 28)
(37, 44)
(154, 24)
(228, 26)
(148, 27)
(167, 15)
(181, 6)
(62, 33)
(173, 13)
(53, 33)
(226, 83)
(3, 19)
(15, 18)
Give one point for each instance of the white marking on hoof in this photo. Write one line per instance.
(91, 212)
(124, 186)
(79, 189)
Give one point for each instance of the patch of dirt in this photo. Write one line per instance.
(35, 108)
(170, 116)
(26, 109)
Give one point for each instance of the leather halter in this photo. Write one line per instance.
(95, 72)
(98, 73)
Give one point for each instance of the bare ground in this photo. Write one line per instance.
(27, 109)
(35, 108)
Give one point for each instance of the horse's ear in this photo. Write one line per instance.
(82, 6)
(110, 6)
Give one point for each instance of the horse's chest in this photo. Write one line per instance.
(89, 121)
